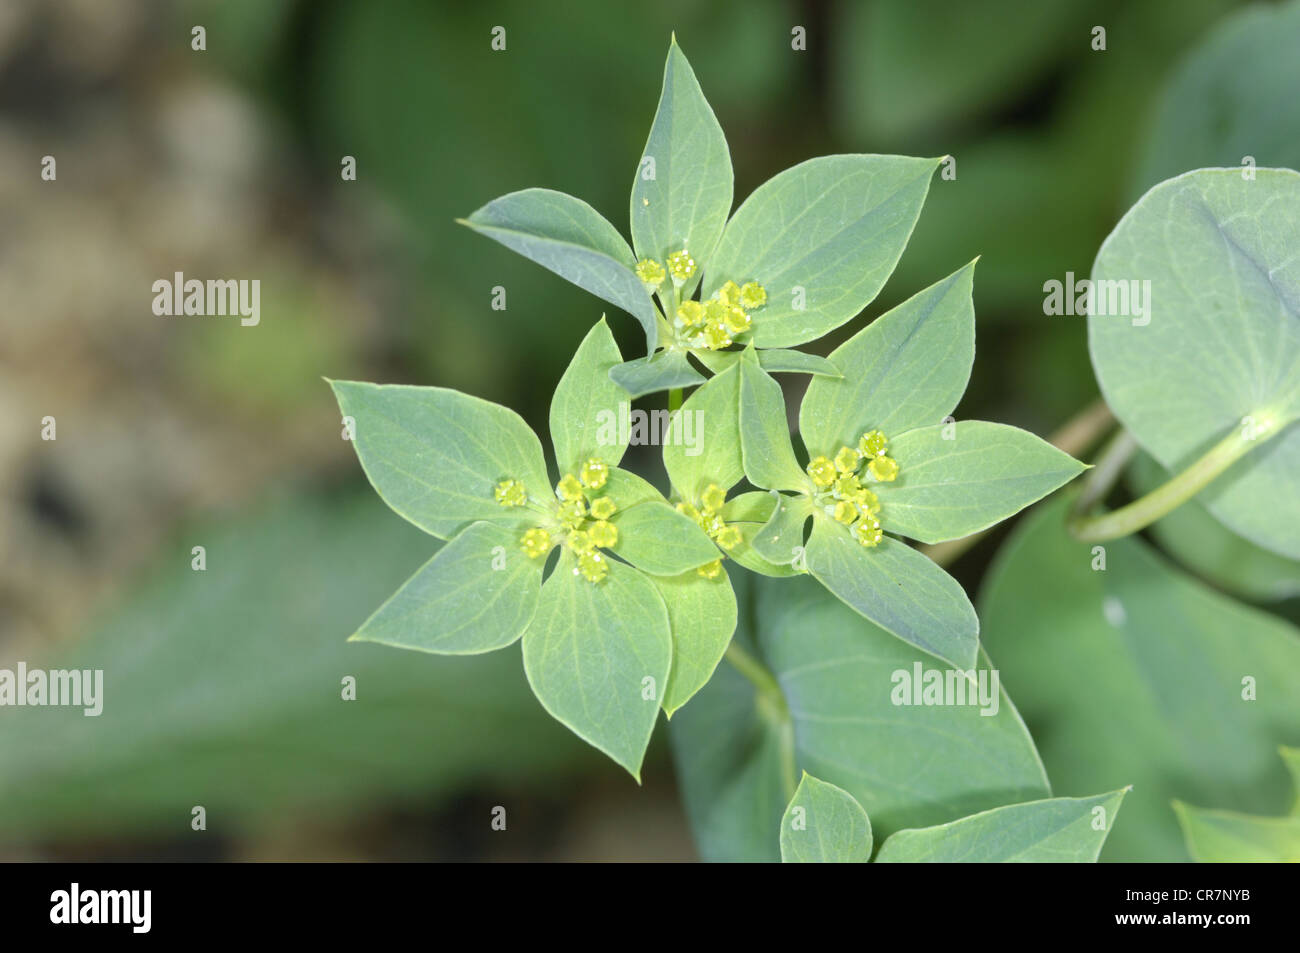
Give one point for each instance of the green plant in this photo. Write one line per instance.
(638, 607)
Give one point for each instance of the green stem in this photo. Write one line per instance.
(771, 705)
(674, 400)
(1166, 498)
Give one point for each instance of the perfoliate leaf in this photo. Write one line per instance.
(661, 371)
(765, 431)
(476, 594)
(682, 191)
(656, 538)
(1105, 642)
(822, 238)
(957, 479)
(857, 718)
(781, 539)
(587, 405)
(569, 237)
(435, 455)
(710, 417)
(750, 513)
(1055, 830)
(897, 588)
(906, 369)
(824, 825)
(702, 616)
(597, 656)
(1195, 333)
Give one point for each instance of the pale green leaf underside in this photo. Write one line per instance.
(1222, 255)
(477, 594)
(588, 653)
(435, 455)
(1056, 830)
(709, 417)
(908, 766)
(772, 360)
(663, 370)
(685, 203)
(834, 227)
(657, 539)
(1144, 653)
(702, 617)
(569, 237)
(768, 455)
(959, 479)
(824, 825)
(897, 588)
(587, 405)
(906, 369)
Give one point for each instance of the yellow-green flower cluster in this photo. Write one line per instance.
(714, 323)
(840, 479)
(709, 517)
(583, 517)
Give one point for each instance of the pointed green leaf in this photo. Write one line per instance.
(435, 455)
(702, 616)
(587, 405)
(772, 360)
(597, 656)
(824, 825)
(765, 431)
(657, 539)
(475, 595)
(569, 237)
(1225, 837)
(1110, 642)
(957, 479)
(908, 765)
(750, 513)
(682, 192)
(822, 238)
(627, 489)
(897, 588)
(661, 371)
(906, 369)
(709, 417)
(1052, 831)
(1200, 336)
(781, 540)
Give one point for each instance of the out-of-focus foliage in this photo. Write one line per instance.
(1138, 674)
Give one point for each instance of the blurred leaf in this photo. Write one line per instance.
(1228, 837)
(1211, 550)
(1137, 674)
(1217, 346)
(908, 766)
(1231, 97)
(1053, 831)
(224, 688)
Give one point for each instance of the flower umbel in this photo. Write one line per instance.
(839, 483)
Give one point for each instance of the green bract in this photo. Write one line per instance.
(807, 251)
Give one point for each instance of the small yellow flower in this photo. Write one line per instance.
(753, 296)
(681, 266)
(603, 534)
(603, 508)
(580, 541)
(690, 315)
(728, 537)
(536, 542)
(594, 473)
(873, 444)
(868, 503)
(711, 570)
(716, 337)
(713, 498)
(510, 493)
(569, 488)
(572, 513)
(867, 531)
(651, 274)
(822, 471)
(729, 293)
(884, 469)
(847, 460)
(736, 321)
(592, 566)
(846, 487)
(844, 511)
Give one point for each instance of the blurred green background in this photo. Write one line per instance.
(223, 687)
